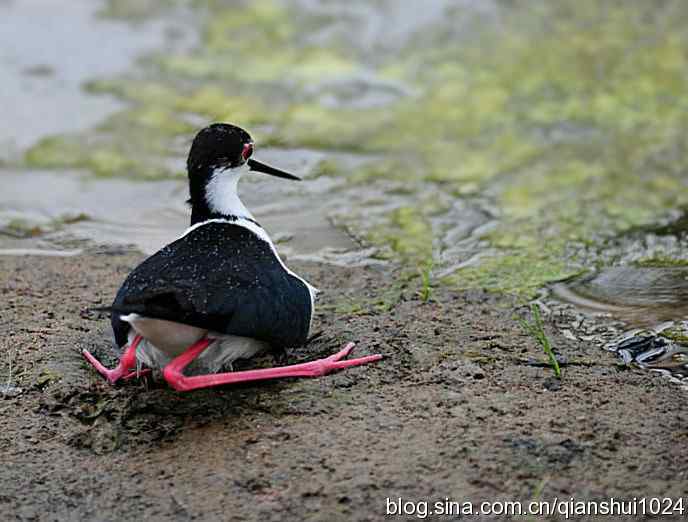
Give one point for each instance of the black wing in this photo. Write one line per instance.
(220, 277)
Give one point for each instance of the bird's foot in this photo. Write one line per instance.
(125, 368)
(174, 376)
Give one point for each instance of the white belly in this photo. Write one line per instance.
(165, 340)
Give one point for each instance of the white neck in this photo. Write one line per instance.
(221, 193)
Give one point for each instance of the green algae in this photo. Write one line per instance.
(298, 67)
(135, 10)
(258, 43)
(512, 273)
(266, 43)
(407, 233)
(103, 160)
(676, 334)
(661, 262)
(20, 228)
(214, 103)
(569, 118)
(54, 151)
(326, 168)
(25, 228)
(314, 126)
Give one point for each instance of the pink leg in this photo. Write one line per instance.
(126, 363)
(174, 376)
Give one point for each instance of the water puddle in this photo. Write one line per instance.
(49, 49)
(653, 301)
(46, 213)
(640, 296)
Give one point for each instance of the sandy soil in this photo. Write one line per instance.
(457, 409)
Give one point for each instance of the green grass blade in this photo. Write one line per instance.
(537, 330)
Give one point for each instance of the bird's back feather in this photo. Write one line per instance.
(221, 277)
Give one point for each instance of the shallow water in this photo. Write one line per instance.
(44, 212)
(641, 296)
(48, 50)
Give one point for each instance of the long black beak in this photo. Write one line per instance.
(267, 169)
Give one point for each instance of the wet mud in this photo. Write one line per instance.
(463, 406)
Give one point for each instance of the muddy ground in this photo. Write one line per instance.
(457, 409)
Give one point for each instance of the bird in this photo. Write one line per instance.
(220, 292)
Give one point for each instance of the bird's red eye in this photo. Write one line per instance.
(248, 150)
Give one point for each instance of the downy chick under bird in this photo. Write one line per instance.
(220, 292)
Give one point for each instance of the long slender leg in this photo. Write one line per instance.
(174, 376)
(126, 363)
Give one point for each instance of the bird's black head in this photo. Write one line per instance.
(215, 162)
(219, 145)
